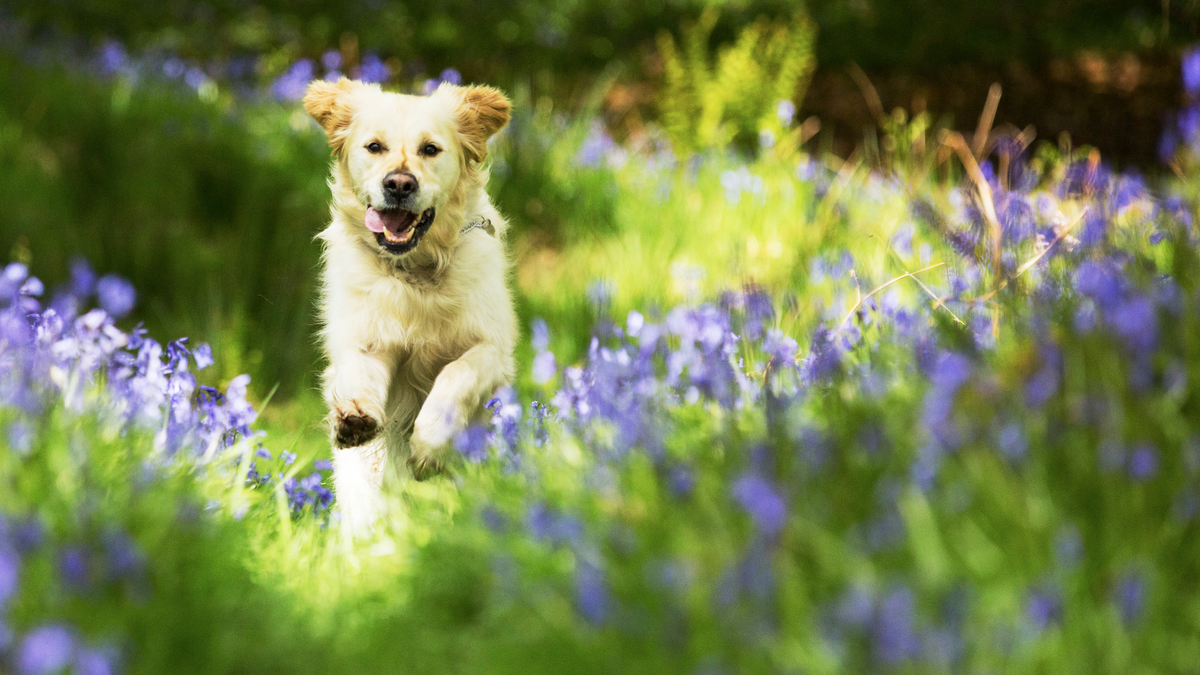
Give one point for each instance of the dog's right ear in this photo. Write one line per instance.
(332, 105)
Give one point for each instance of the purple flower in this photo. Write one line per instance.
(323, 465)
(203, 356)
(10, 572)
(1136, 321)
(373, 69)
(94, 662)
(1191, 71)
(544, 367)
(473, 442)
(895, 629)
(113, 57)
(1044, 607)
(759, 498)
(450, 76)
(331, 59)
(1143, 463)
(681, 480)
(45, 650)
(546, 524)
(292, 84)
(539, 335)
(83, 279)
(591, 592)
(824, 357)
(117, 295)
(1012, 442)
(951, 372)
(74, 567)
(1131, 597)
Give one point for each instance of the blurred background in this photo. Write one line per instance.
(164, 141)
(994, 467)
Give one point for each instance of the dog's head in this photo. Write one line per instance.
(405, 157)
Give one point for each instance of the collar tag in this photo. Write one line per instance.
(483, 224)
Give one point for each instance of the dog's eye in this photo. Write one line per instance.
(374, 147)
(430, 150)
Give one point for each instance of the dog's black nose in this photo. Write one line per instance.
(399, 184)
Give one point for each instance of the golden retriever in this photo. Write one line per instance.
(417, 322)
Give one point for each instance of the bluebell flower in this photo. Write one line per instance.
(544, 367)
(591, 592)
(331, 59)
(123, 558)
(856, 607)
(1016, 217)
(1131, 597)
(292, 84)
(450, 76)
(1143, 463)
(90, 661)
(895, 632)
(1012, 442)
(1136, 322)
(83, 279)
(203, 356)
(1044, 383)
(1168, 142)
(117, 296)
(373, 69)
(1043, 608)
(74, 567)
(1191, 72)
(761, 500)
(824, 357)
(20, 436)
(681, 480)
(113, 57)
(546, 524)
(323, 465)
(45, 650)
(174, 67)
(1189, 124)
(1094, 228)
(473, 442)
(10, 572)
(539, 334)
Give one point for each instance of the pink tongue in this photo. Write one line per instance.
(395, 221)
(374, 220)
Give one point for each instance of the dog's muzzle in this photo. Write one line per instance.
(397, 230)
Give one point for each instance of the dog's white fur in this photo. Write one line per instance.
(415, 342)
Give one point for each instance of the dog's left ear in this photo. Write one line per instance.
(332, 105)
(481, 112)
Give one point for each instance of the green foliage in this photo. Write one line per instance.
(707, 105)
(210, 213)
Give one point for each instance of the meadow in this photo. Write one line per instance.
(931, 408)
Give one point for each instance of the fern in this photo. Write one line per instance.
(705, 106)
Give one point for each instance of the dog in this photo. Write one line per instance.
(417, 321)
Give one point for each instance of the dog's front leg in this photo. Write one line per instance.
(356, 388)
(457, 393)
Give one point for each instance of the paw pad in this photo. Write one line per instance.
(354, 430)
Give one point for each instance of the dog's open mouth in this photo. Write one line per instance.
(397, 230)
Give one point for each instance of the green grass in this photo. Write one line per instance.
(213, 220)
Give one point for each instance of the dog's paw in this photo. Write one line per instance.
(353, 430)
(424, 466)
